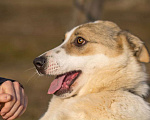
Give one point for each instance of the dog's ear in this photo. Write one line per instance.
(137, 46)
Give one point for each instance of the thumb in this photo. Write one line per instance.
(5, 98)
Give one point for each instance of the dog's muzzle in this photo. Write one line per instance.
(40, 63)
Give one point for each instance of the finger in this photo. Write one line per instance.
(17, 113)
(25, 105)
(8, 88)
(4, 98)
(17, 103)
(21, 109)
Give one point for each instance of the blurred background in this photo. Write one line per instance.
(29, 28)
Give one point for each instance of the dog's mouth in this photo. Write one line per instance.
(62, 83)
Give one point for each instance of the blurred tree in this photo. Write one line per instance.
(87, 10)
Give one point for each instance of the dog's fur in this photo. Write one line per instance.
(113, 79)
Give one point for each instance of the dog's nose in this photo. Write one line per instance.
(39, 62)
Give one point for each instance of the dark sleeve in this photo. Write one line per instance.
(2, 80)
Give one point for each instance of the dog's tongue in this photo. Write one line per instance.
(56, 85)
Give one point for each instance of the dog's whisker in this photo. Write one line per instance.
(31, 77)
(29, 69)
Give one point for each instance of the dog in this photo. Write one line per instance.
(100, 75)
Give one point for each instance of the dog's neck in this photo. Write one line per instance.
(111, 78)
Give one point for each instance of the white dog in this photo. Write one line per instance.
(100, 75)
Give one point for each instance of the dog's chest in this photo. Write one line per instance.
(64, 110)
(104, 106)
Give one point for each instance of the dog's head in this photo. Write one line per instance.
(87, 50)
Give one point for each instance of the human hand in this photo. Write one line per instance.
(16, 100)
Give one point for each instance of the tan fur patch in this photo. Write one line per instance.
(101, 37)
(137, 47)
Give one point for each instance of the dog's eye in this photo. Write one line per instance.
(79, 41)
